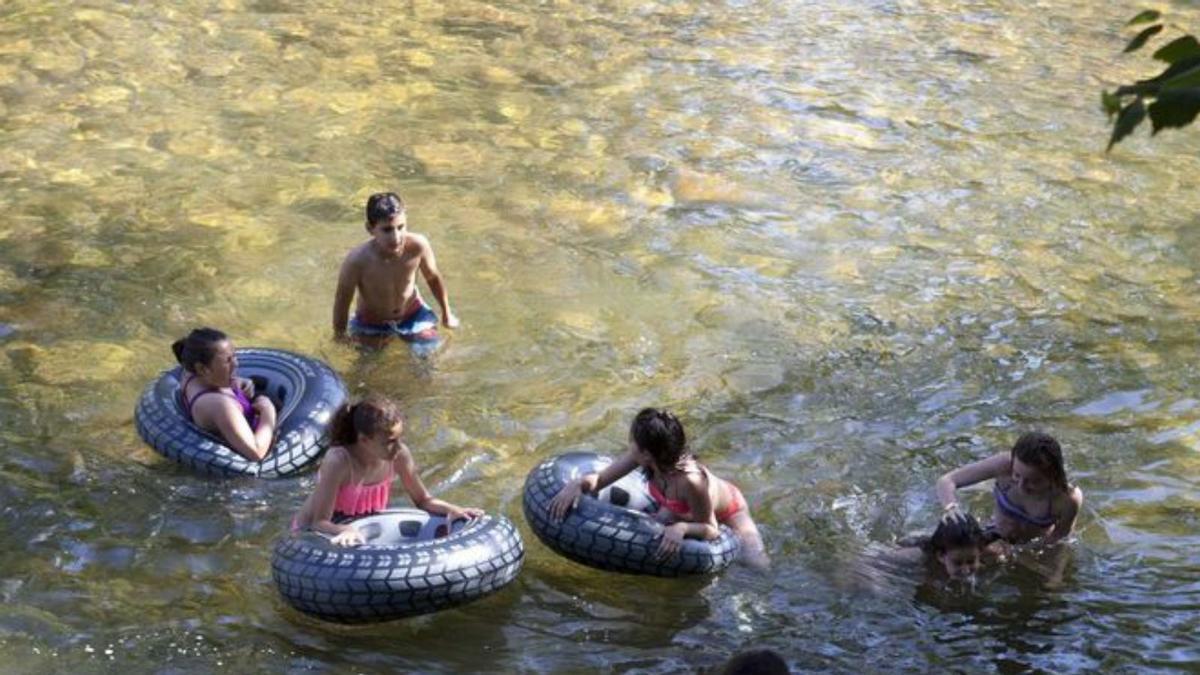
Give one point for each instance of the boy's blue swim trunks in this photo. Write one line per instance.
(419, 326)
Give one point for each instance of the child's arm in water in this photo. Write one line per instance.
(335, 470)
(1067, 509)
(433, 277)
(253, 444)
(568, 497)
(407, 468)
(703, 524)
(993, 467)
(346, 285)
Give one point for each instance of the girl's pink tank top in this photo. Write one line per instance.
(357, 499)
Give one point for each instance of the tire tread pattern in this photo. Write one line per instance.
(381, 583)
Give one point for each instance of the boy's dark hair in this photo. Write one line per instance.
(367, 417)
(381, 206)
(199, 347)
(756, 662)
(962, 531)
(659, 433)
(1043, 453)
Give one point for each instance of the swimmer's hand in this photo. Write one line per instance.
(568, 497)
(665, 517)
(265, 408)
(348, 537)
(672, 541)
(246, 385)
(449, 320)
(953, 514)
(456, 513)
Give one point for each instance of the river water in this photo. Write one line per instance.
(853, 244)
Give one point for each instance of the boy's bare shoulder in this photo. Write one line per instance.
(359, 254)
(908, 554)
(420, 240)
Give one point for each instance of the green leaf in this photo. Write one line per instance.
(1131, 116)
(1183, 80)
(1111, 103)
(1151, 86)
(1140, 39)
(1178, 49)
(1146, 16)
(1144, 88)
(1174, 109)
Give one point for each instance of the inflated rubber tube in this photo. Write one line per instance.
(614, 530)
(305, 391)
(409, 565)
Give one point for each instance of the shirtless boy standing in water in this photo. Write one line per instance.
(384, 272)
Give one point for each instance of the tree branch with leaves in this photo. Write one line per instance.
(1170, 99)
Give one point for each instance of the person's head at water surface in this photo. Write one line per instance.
(374, 424)
(659, 439)
(957, 545)
(207, 353)
(387, 221)
(1037, 464)
(755, 662)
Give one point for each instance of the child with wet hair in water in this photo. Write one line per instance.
(1033, 498)
(957, 547)
(244, 419)
(356, 475)
(693, 501)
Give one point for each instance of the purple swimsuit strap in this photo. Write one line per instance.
(244, 403)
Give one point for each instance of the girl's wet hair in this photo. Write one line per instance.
(199, 347)
(659, 433)
(1043, 453)
(959, 532)
(367, 417)
(383, 205)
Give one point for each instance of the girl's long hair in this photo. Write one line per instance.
(660, 434)
(1042, 452)
(367, 417)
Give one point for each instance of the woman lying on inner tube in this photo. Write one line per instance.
(218, 401)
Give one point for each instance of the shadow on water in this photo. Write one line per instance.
(454, 638)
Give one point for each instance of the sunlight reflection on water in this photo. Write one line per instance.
(852, 245)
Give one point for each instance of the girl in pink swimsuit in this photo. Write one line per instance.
(356, 475)
(218, 401)
(692, 500)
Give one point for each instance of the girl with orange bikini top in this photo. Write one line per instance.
(692, 500)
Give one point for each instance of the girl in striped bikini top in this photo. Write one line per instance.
(1033, 498)
(356, 476)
